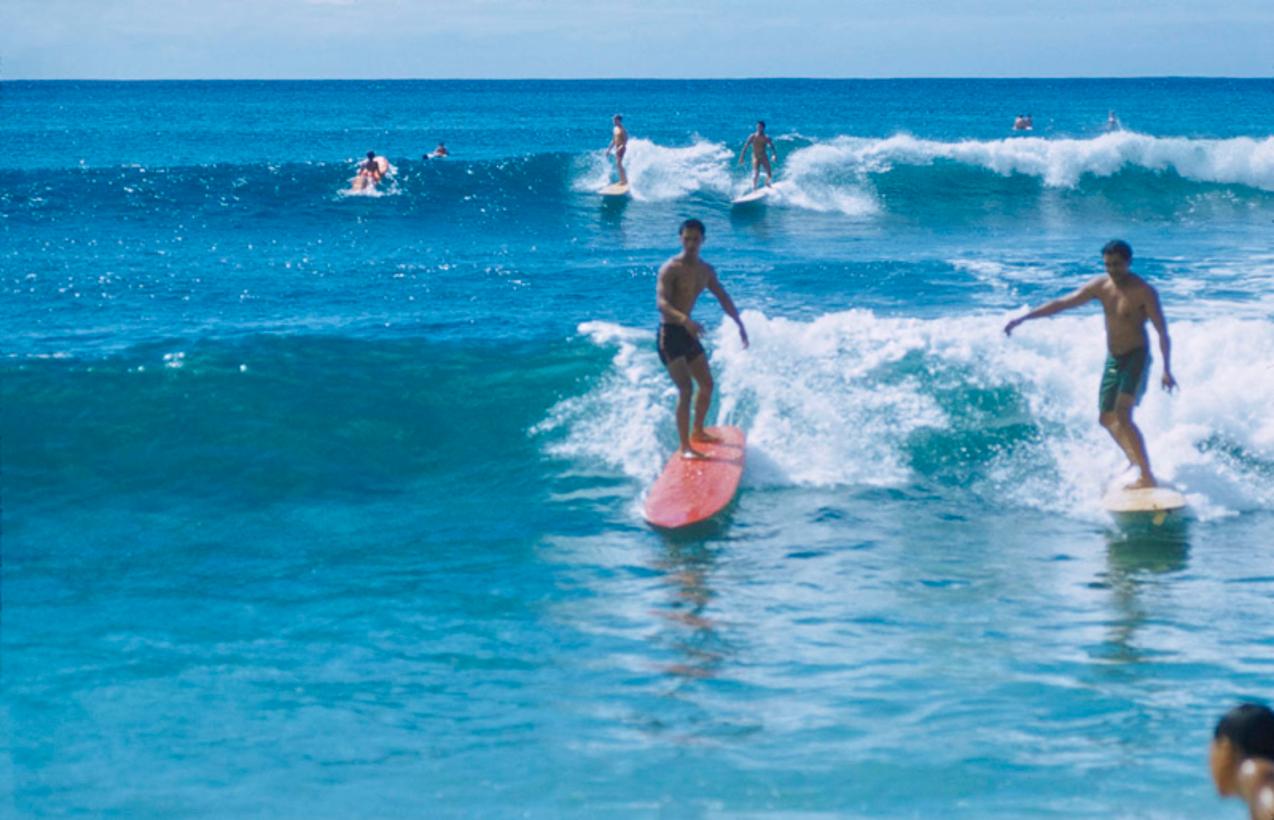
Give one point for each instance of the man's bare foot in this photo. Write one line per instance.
(691, 454)
(1143, 483)
(705, 437)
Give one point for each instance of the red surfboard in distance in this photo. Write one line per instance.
(690, 491)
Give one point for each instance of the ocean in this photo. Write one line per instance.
(330, 505)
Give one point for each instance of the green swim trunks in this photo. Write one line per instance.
(1124, 374)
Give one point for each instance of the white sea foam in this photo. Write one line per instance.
(843, 400)
(836, 176)
(658, 172)
(1057, 162)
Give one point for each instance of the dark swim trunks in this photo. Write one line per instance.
(675, 342)
(1124, 374)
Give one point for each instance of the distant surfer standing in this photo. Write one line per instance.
(1129, 302)
(618, 145)
(761, 146)
(681, 279)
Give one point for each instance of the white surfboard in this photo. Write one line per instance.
(618, 189)
(756, 195)
(1155, 503)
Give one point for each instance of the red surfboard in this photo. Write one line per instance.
(691, 491)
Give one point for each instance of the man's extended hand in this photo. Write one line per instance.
(695, 329)
(1008, 329)
(1169, 383)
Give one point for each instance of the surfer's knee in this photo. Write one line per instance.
(1108, 419)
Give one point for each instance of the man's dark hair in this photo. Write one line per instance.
(1250, 727)
(1118, 246)
(692, 223)
(761, 123)
(371, 155)
(619, 117)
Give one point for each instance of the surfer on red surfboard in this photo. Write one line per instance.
(681, 279)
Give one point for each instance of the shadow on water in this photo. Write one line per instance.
(1140, 555)
(686, 573)
(612, 209)
(1140, 548)
(750, 218)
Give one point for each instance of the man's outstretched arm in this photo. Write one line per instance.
(1082, 296)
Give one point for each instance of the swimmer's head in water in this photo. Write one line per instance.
(691, 233)
(692, 225)
(1245, 731)
(1117, 247)
(1117, 254)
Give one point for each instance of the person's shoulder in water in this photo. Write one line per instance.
(1242, 757)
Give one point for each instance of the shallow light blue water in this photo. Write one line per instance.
(331, 505)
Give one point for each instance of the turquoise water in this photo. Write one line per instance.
(330, 505)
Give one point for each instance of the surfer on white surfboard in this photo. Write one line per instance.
(761, 146)
(681, 279)
(370, 172)
(1129, 302)
(618, 146)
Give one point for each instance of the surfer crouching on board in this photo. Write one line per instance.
(1128, 302)
(681, 280)
(761, 146)
(1242, 758)
(619, 144)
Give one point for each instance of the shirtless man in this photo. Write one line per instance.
(369, 173)
(619, 144)
(681, 280)
(1128, 302)
(761, 146)
(1242, 758)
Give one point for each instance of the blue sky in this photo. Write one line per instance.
(147, 39)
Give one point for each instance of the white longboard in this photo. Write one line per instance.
(618, 189)
(756, 195)
(1155, 503)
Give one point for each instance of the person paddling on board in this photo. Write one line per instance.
(439, 152)
(681, 279)
(1242, 758)
(369, 173)
(761, 146)
(1128, 302)
(619, 145)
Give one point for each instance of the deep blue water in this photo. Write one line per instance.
(330, 505)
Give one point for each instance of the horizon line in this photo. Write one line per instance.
(642, 79)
